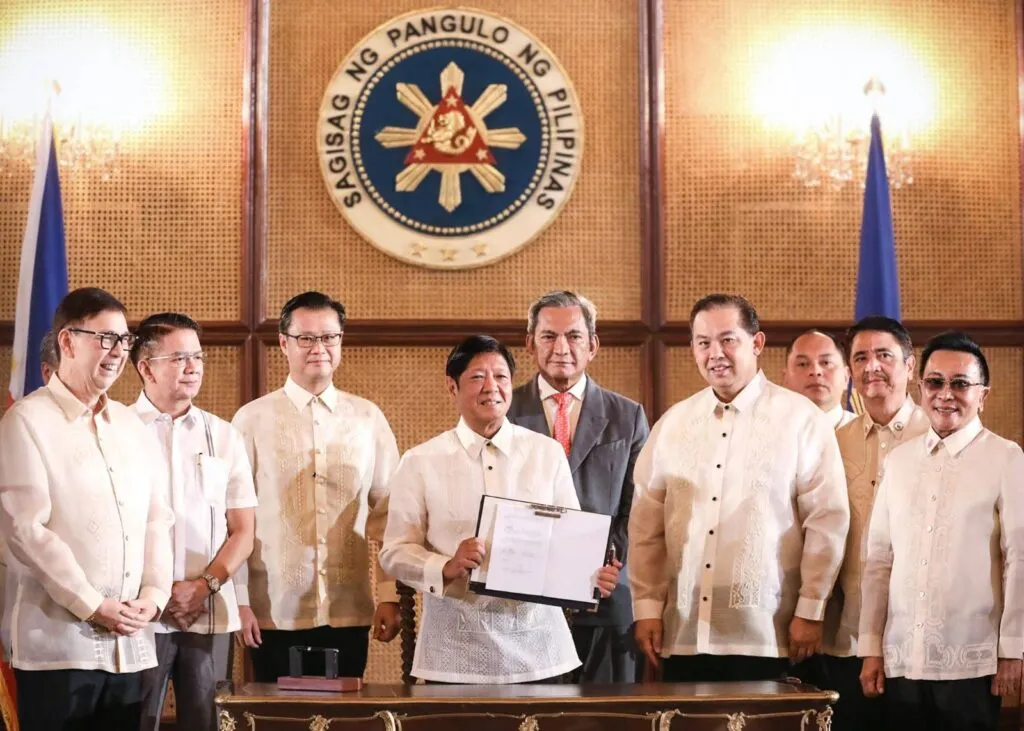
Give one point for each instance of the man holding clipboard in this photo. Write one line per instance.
(431, 544)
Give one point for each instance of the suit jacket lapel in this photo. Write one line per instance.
(590, 425)
(531, 410)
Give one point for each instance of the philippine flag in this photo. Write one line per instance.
(43, 280)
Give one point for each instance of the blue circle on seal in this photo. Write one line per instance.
(421, 65)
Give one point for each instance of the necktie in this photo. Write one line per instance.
(561, 434)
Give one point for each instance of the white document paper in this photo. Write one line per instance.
(541, 551)
(519, 551)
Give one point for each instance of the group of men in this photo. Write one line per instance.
(758, 530)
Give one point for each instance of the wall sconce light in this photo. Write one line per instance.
(835, 151)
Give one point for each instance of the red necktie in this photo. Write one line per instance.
(561, 434)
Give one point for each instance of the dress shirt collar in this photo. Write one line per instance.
(547, 390)
(301, 397)
(745, 399)
(957, 441)
(149, 413)
(474, 443)
(835, 415)
(73, 408)
(898, 423)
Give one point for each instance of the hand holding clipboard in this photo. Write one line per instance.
(543, 553)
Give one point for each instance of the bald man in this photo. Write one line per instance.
(816, 367)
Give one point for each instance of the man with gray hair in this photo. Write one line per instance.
(602, 433)
(49, 357)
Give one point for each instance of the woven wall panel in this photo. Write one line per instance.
(736, 221)
(408, 384)
(594, 244)
(1004, 411)
(165, 233)
(5, 375)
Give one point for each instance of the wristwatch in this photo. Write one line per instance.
(213, 582)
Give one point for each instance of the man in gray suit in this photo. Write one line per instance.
(602, 434)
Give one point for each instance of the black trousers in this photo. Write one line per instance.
(78, 700)
(941, 705)
(714, 668)
(270, 660)
(853, 711)
(608, 654)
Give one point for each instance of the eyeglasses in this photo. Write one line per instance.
(308, 341)
(107, 339)
(957, 385)
(180, 360)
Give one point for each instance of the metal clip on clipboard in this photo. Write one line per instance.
(547, 511)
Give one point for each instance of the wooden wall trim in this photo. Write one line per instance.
(613, 333)
(1019, 16)
(988, 333)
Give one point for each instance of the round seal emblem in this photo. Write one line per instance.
(450, 138)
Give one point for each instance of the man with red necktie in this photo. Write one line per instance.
(602, 433)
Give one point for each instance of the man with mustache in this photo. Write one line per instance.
(321, 461)
(942, 618)
(816, 367)
(430, 541)
(882, 364)
(84, 514)
(739, 515)
(214, 502)
(602, 433)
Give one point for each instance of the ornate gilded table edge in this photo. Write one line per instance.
(659, 720)
(825, 696)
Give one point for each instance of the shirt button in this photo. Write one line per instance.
(316, 422)
(707, 565)
(110, 469)
(120, 503)
(924, 562)
(714, 499)
(704, 598)
(433, 590)
(711, 532)
(921, 595)
(938, 468)
(319, 451)
(490, 467)
(718, 466)
(323, 572)
(934, 498)
(322, 541)
(127, 574)
(883, 445)
(724, 434)
(931, 528)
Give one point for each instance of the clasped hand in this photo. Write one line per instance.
(124, 618)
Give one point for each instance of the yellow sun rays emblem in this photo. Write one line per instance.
(451, 138)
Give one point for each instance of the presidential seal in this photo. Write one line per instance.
(450, 138)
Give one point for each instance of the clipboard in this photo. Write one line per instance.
(593, 534)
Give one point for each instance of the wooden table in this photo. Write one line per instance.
(766, 706)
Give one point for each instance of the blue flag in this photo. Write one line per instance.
(43, 278)
(878, 286)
